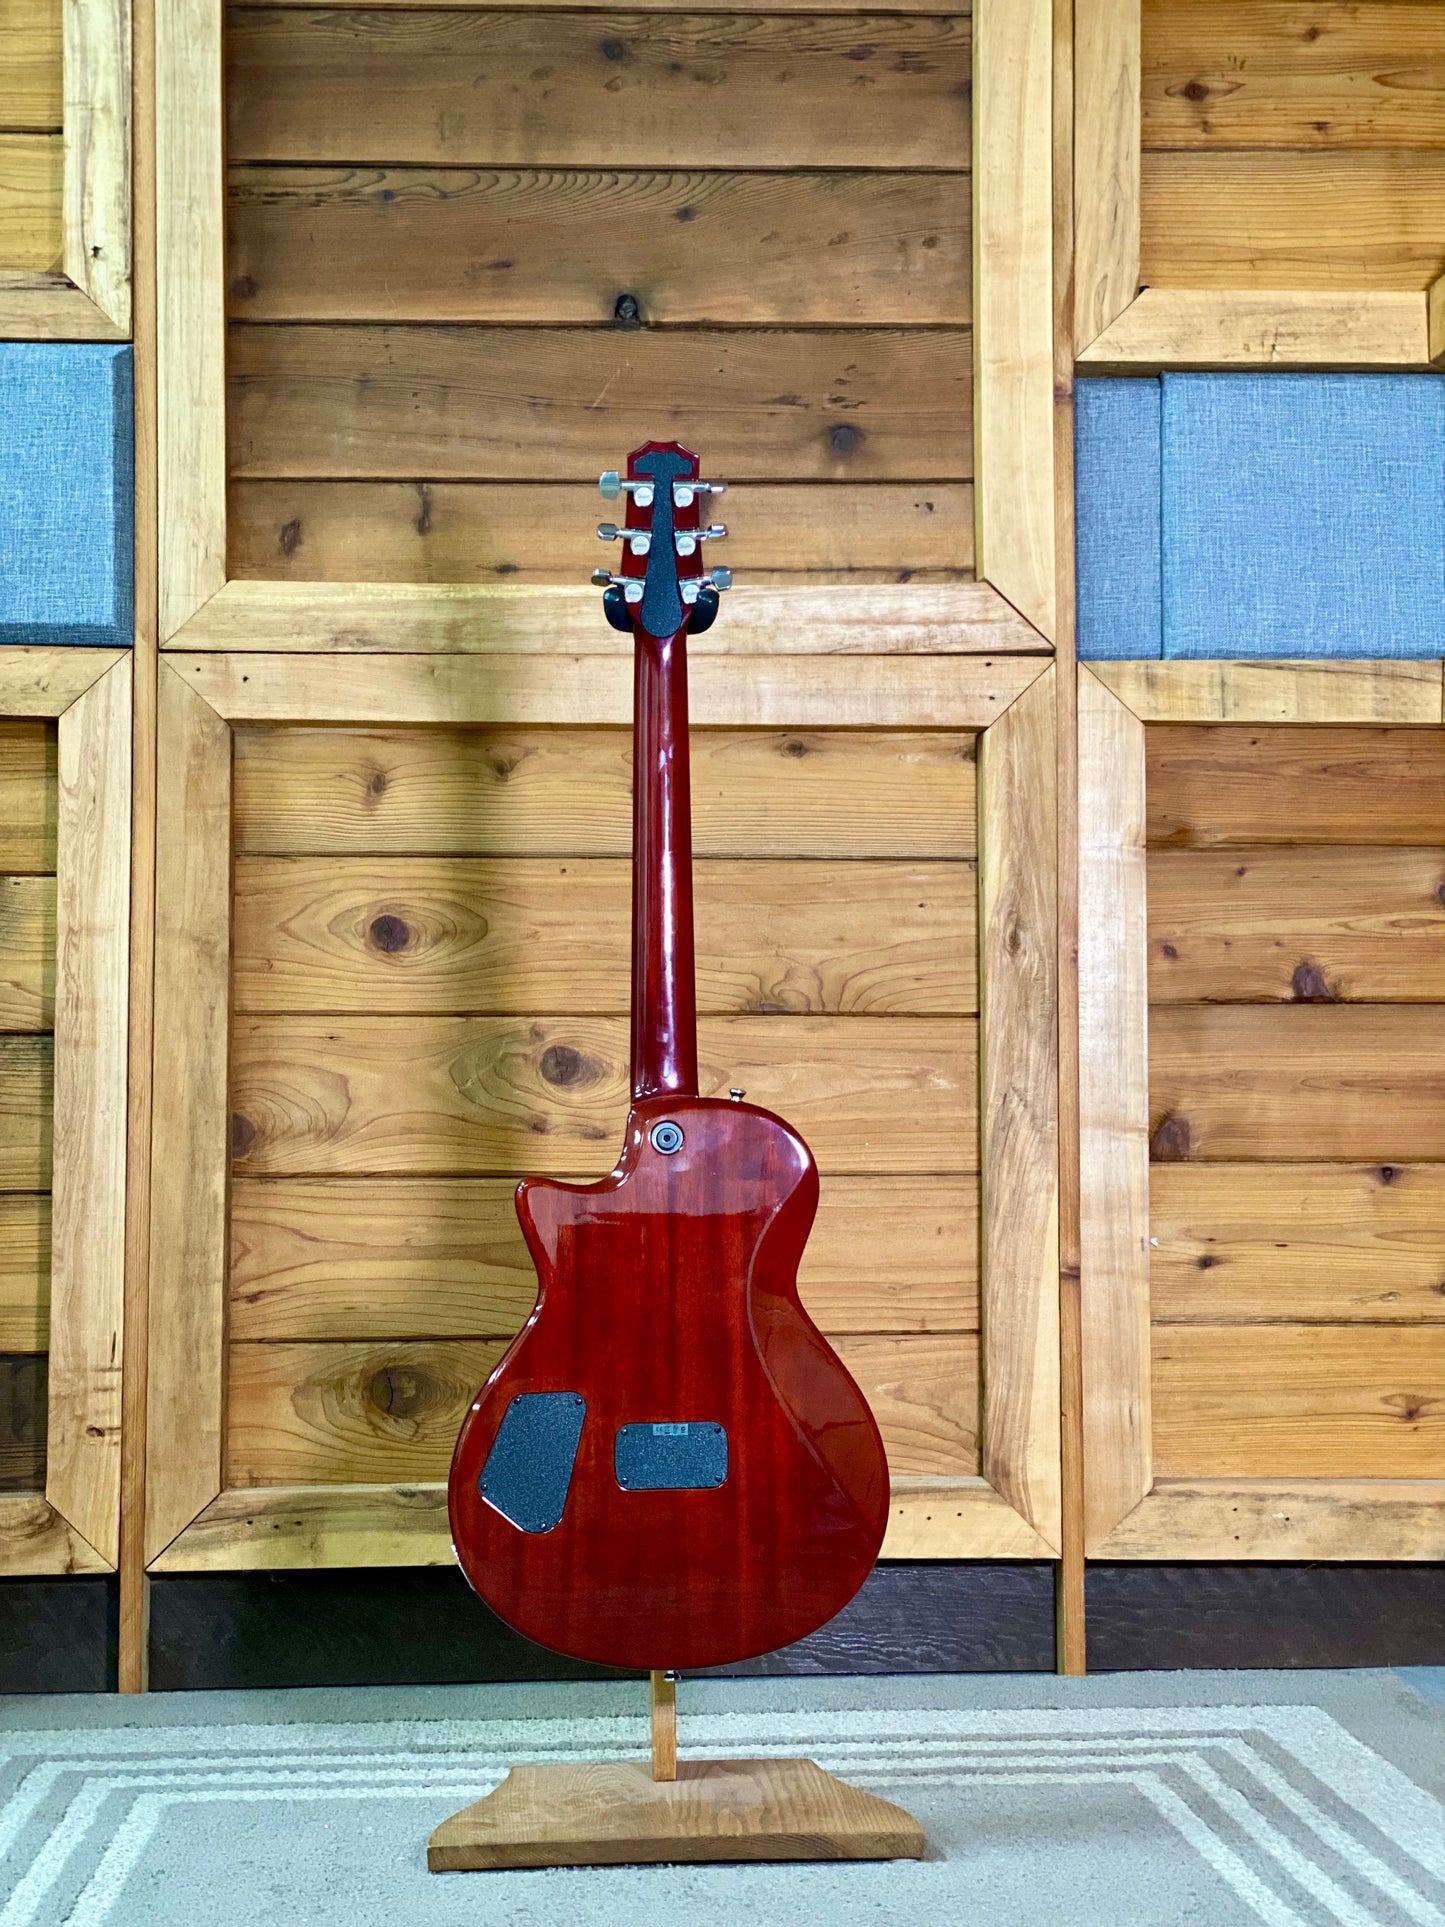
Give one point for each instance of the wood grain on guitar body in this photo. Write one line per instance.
(670, 1467)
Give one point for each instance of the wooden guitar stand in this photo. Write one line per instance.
(612, 1813)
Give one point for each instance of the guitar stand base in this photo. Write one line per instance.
(617, 1814)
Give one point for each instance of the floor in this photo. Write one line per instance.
(1209, 1799)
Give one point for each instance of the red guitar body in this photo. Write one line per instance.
(670, 1468)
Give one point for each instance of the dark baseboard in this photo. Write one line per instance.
(425, 1627)
(413, 1627)
(58, 1635)
(1147, 1618)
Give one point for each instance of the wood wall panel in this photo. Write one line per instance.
(444, 1258)
(1340, 1083)
(604, 89)
(1314, 1402)
(22, 1423)
(1313, 74)
(24, 1272)
(1271, 1243)
(462, 404)
(30, 66)
(1313, 925)
(567, 792)
(458, 935)
(373, 1414)
(524, 245)
(25, 1109)
(27, 796)
(521, 532)
(31, 189)
(1226, 786)
(1354, 221)
(27, 953)
(422, 1096)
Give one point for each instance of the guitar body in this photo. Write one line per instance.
(668, 1299)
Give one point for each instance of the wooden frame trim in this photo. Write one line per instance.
(193, 1522)
(1318, 691)
(88, 297)
(1120, 328)
(1113, 1109)
(1435, 322)
(1130, 1514)
(1012, 605)
(74, 1527)
(920, 692)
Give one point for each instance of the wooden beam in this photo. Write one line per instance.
(923, 692)
(97, 199)
(1013, 306)
(1018, 1112)
(191, 313)
(963, 618)
(30, 212)
(1276, 692)
(1261, 328)
(1106, 163)
(285, 1528)
(36, 680)
(1285, 1519)
(87, 1288)
(190, 1135)
(1114, 1107)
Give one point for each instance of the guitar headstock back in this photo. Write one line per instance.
(661, 585)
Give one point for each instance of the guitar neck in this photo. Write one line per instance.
(664, 985)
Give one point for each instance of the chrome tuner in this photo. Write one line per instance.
(629, 585)
(720, 578)
(683, 492)
(737, 1094)
(638, 540)
(688, 539)
(612, 485)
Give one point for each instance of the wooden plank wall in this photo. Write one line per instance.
(1298, 146)
(430, 995)
(27, 999)
(1296, 892)
(30, 143)
(468, 250)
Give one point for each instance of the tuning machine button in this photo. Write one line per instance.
(720, 578)
(629, 585)
(612, 485)
(688, 539)
(683, 492)
(638, 540)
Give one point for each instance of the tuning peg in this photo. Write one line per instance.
(629, 585)
(612, 485)
(638, 540)
(720, 578)
(683, 492)
(688, 539)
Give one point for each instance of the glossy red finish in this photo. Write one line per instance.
(668, 1296)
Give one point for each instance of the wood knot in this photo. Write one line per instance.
(290, 538)
(1388, 1173)
(1207, 1262)
(1172, 1141)
(561, 1065)
(1310, 985)
(627, 311)
(795, 747)
(613, 50)
(388, 933)
(1169, 951)
(243, 288)
(844, 438)
(401, 1391)
(376, 783)
(243, 1135)
(1194, 90)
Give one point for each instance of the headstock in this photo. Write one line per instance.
(661, 585)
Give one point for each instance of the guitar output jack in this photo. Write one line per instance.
(666, 1137)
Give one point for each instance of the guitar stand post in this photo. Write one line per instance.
(614, 1813)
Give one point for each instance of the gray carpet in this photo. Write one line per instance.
(1213, 1799)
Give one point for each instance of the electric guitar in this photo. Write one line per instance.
(670, 1467)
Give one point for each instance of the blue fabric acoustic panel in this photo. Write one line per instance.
(1304, 515)
(65, 493)
(1116, 505)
